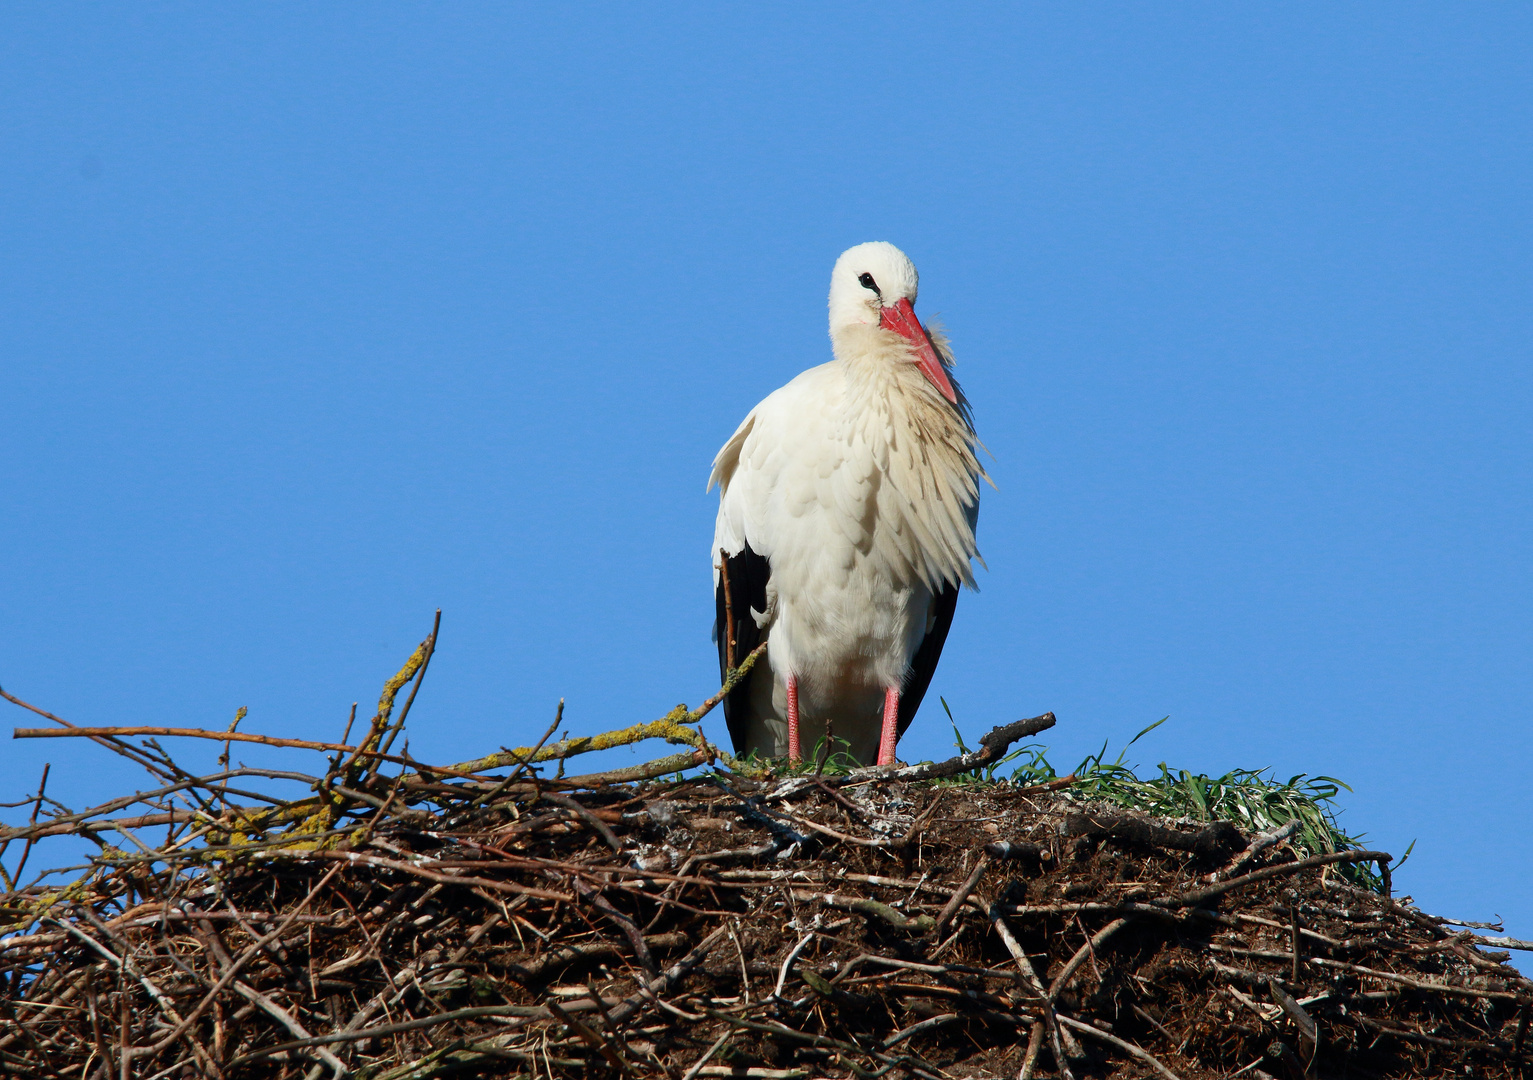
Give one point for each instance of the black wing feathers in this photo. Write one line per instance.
(924, 664)
(747, 575)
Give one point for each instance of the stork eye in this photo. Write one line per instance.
(867, 282)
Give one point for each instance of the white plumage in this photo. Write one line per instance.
(856, 485)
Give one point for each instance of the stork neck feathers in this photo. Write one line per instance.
(925, 449)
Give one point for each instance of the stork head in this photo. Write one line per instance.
(875, 285)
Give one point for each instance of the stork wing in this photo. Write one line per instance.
(745, 576)
(924, 664)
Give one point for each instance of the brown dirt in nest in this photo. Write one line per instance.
(795, 929)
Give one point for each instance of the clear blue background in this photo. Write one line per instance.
(313, 320)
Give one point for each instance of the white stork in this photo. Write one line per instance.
(847, 505)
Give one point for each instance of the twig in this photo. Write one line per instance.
(420, 677)
(825, 830)
(1198, 896)
(787, 965)
(383, 733)
(992, 747)
(562, 956)
(1073, 964)
(382, 814)
(1050, 1020)
(1259, 843)
(915, 1029)
(590, 819)
(180, 733)
(1122, 1044)
(732, 680)
(1293, 917)
(633, 1004)
(745, 975)
(707, 1054)
(1419, 984)
(865, 906)
(1305, 1023)
(283, 1017)
(624, 923)
(782, 1031)
(37, 805)
(418, 1024)
(352, 857)
(111, 744)
(240, 714)
(961, 894)
(521, 766)
(595, 1041)
(729, 613)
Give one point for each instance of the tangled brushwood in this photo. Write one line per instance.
(697, 918)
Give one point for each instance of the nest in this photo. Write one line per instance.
(903, 921)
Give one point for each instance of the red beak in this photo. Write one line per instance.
(901, 318)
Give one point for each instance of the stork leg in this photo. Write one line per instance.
(794, 755)
(891, 726)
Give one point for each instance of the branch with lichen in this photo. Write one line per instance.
(672, 727)
(212, 823)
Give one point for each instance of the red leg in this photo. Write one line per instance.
(891, 726)
(794, 756)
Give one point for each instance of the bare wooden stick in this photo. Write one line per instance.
(595, 1041)
(630, 1007)
(917, 1028)
(1198, 896)
(176, 732)
(240, 714)
(1419, 984)
(961, 894)
(601, 827)
(873, 908)
(1293, 917)
(1073, 964)
(992, 747)
(116, 747)
(522, 766)
(1122, 1044)
(729, 612)
(37, 805)
(714, 1049)
(1050, 1019)
(1259, 843)
(1504, 943)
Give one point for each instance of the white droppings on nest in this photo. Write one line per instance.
(649, 858)
(888, 814)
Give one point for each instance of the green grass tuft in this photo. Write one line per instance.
(1254, 800)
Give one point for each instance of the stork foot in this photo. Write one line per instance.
(891, 726)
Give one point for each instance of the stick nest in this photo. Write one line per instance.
(885, 922)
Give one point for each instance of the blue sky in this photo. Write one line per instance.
(313, 320)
